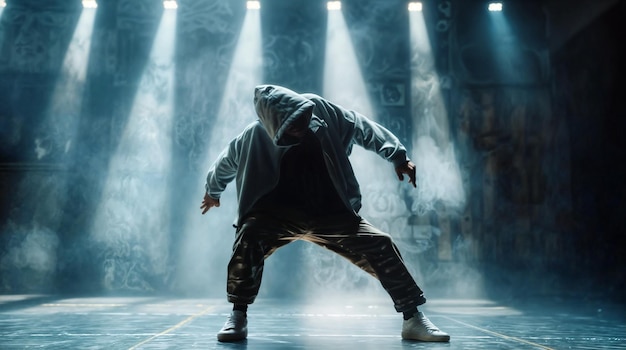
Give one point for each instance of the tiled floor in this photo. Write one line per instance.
(32, 322)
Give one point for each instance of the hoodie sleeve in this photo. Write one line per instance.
(355, 128)
(224, 169)
(374, 137)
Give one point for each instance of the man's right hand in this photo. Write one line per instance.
(208, 203)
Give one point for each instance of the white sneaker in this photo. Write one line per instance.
(419, 327)
(235, 328)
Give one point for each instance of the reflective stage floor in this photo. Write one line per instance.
(33, 322)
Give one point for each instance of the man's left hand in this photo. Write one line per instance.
(407, 168)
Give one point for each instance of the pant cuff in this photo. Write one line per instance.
(410, 305)
(240, 300)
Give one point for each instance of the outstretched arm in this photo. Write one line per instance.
(377, 138)
(355, 128)
(222, 172)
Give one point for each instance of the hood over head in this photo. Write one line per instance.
(277, 107)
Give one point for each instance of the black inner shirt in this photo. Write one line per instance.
(304, 185)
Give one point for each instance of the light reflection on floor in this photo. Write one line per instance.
(166, 323)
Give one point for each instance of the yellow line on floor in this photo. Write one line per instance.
(80, 305)
(180, 324)
(500, 335)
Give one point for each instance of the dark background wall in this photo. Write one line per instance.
(537, 137)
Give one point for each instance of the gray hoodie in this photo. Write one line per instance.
(253, 157)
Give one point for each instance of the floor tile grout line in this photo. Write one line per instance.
(499, 335)
(178, 325)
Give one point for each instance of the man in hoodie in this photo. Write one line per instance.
(294, 181)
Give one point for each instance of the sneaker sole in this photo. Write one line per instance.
(428, 339)
(231, 337)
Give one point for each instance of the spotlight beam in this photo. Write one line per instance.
(344, 84)
(343, 80)
(133, 211)
(235, 112)
(437, 170)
